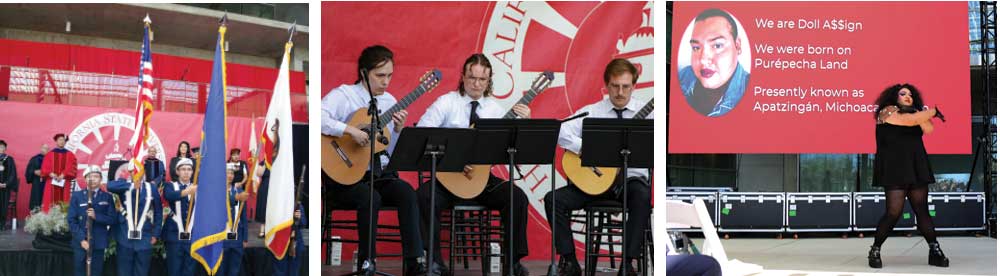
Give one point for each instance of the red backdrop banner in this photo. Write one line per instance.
(97, 135)
(815, 71)
(573, 39)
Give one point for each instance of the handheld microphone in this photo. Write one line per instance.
(939, 115)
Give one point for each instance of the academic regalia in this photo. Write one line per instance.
(232, 258)
(37, 182)
(58, 161)
(290, 265)
(179, 261)
(134, 254)
(155, 171)
(8, 176)
(104, 216)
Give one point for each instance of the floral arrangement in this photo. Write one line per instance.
(52, 222)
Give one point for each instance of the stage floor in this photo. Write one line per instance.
(842, 257)
(395, 267)
(18, 257)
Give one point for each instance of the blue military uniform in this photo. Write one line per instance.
(147, 214)
(233, 255)
(104, 216)
(290, 264)
(179, 261)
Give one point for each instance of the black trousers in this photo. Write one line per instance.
(570, 198)
(496, 196)
(389, 191)
(4, 199)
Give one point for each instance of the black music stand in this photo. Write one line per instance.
(431, 149)
(620, 143)
(515, 141)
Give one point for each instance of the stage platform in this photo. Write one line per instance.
(395, 267)
(18, 257)
(842, 257)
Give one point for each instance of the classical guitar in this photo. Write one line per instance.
(343, 159)
(472, 184)
(595, 180)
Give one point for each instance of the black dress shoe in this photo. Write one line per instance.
(936, 256)
(875, 257)
(569, 267)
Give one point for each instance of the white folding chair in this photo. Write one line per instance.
(695, 215)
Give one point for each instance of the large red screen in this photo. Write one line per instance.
(810, 74)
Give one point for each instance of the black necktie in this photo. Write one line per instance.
(619, 112)
(473, 117)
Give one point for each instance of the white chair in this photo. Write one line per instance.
(681, 215)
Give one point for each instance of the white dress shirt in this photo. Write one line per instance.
(452, 110)
(343, 101)
(571, 133)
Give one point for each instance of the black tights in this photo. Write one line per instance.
(894, 207)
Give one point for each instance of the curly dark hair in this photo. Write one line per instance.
(890, 94)
(481, 60)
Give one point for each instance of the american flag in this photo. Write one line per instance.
(143, 105)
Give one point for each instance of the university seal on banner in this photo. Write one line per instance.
(104, 137)
(523, 39)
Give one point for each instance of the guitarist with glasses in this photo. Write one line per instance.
(460, 109)
(620, 77)
(337, 108)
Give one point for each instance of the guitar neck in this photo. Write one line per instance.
(648, 108)
(402, 104)
(525, 100)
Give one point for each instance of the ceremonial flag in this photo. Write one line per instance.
(143, 106)
(212, 204)
(277, 149)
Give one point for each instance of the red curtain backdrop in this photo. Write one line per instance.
(573, 39)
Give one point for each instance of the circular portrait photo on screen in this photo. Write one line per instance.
(713, 62)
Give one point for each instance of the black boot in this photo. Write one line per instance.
(936, 256)
(875, 257)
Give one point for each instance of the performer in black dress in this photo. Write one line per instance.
(902, 167)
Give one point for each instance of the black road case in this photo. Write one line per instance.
(957, 211)
(751, 212)
(818, 212)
